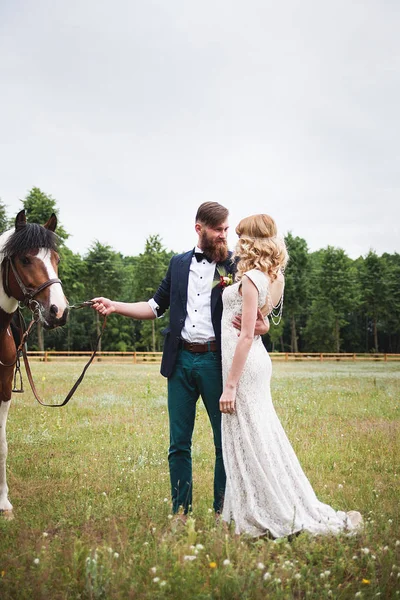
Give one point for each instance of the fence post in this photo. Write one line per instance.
(321, 357)
(45, 356)
(134, 358)
(286, 356)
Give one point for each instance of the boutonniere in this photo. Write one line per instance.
(224, 278)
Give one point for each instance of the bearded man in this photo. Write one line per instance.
(192, 348)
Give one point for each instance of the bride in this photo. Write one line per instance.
(267, 492)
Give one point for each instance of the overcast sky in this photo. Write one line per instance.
(131, 114)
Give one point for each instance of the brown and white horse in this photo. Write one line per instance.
(29, 266)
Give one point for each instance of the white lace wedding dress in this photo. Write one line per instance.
(267, 491)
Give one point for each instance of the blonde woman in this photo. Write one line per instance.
(267, 492)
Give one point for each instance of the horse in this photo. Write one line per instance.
(29, 274)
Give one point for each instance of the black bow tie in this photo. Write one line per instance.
(200, 256)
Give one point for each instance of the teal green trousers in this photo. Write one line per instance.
(196, 374)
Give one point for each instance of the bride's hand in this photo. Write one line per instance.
(227, 401)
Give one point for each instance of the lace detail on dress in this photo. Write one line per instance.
(267, 490)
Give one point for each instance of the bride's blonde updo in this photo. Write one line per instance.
(259, 247)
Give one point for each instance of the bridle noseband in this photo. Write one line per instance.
(28, 293)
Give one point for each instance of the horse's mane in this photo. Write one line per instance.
(29, 237)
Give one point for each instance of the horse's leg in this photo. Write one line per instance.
(5, 504)
(7, 346)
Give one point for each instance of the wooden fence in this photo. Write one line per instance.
(138, 358)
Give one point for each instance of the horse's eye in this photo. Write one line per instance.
(25, 260)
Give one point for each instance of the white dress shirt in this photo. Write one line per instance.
(198, 327)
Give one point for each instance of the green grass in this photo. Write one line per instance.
(90, 489)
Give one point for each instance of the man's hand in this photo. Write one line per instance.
(261, 326)
(104, 306)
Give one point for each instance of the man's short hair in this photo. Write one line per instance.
(211, 214)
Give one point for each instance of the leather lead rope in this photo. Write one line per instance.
(22, 348)
(76, 384)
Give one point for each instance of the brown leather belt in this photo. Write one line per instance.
(206, 347)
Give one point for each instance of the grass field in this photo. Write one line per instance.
(90, 489)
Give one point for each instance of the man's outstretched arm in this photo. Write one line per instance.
(134, 310)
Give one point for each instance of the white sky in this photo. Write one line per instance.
(130, 114)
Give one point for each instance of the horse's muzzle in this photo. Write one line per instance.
(50, 320)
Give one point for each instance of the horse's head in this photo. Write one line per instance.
(30, 267)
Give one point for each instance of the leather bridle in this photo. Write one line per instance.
(28, 293)
(28, 300)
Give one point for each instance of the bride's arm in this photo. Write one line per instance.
(246, 337)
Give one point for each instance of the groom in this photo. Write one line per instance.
(192, 348)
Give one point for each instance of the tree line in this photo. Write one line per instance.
(332, 303)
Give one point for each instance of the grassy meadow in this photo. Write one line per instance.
(90, 487)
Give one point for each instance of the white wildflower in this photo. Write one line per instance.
(156, 579)
(45, 534)
(36, 561)
(267, 576)
(288, 563)
(365, 550)
(153, 570)
(260, 566)
(163, 583)
(189, 557)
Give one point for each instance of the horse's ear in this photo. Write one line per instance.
(20, 220)
(51, 223)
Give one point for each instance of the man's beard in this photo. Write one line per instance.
(215, 250)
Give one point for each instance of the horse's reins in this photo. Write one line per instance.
(34, 306)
